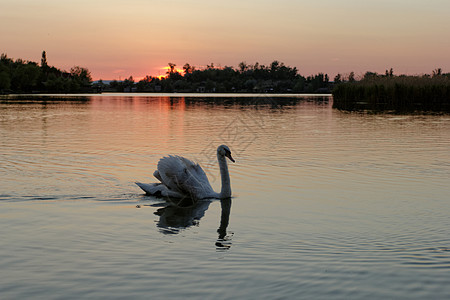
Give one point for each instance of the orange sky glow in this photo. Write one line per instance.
(118, 39)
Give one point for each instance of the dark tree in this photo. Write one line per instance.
(171, 69)
(187, 68)
(437, 72)
(351, 77)
(338, 78)
(44, 60)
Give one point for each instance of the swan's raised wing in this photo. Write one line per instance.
(171, 170)
(197, 183)
(184, 176)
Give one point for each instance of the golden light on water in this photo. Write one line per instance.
(316, 191)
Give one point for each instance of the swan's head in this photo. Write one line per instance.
(223, 150)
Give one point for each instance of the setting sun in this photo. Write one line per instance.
(166, 70)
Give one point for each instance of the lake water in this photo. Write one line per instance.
(327, 204)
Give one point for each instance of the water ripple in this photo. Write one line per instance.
(327, 205)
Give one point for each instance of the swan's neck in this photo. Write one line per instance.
(225, 192)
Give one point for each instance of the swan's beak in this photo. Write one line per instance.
(228, 154)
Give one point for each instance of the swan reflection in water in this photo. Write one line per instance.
(224, 240)
(174, 218)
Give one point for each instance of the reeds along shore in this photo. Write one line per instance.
(395, 93)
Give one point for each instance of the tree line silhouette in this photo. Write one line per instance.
(27, 76)
(18, 76)
(274, 78)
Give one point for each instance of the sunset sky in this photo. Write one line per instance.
(116, 39)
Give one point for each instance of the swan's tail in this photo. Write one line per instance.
(151, 188)
(158, 190)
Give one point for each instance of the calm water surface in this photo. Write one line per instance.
(327, 204)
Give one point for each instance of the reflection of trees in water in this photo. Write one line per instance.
(261, 101)
(53, 99)
(173, 219)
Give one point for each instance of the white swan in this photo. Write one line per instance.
(181, 178)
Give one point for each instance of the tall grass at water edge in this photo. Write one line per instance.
(394, 93)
